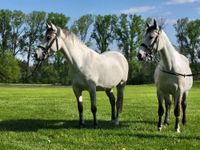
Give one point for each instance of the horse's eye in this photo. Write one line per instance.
(150, 37)
(48, 38)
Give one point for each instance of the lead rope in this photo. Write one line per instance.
(36, 67)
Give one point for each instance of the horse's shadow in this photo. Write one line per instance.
(33, 125)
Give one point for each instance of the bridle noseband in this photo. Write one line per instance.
(47, 47)
(151, 47)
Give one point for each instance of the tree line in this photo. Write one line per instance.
(21, 33)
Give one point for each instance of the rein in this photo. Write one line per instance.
(179, 74)
(46, 49)
(36, 67)
(150, 48)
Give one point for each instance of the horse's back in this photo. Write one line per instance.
(117, 58)
(112, 69)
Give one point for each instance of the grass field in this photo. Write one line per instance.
(47, 118)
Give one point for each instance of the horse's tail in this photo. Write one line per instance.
(120, 96)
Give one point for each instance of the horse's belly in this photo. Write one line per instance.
(173, 84)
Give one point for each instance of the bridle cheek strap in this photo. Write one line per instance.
(150, 48)
(46, 49)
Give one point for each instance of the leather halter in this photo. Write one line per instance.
(151, 47)
(47, 47)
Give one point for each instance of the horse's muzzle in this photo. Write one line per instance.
(139, 56)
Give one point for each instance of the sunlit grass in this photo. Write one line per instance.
(47, 118)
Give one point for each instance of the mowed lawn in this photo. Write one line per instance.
(33, 118)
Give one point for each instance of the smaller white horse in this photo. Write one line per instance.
(89, 70)
(172, 75)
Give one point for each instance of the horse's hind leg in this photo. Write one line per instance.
(160, 110)
(92, 92)
(120, 98)
(184, 105)
(78, 94)
(167, 106)
(111, 97)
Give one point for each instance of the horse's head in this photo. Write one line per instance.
(150, 42)
(49, 44)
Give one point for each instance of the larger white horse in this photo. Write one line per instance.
(172, 75)
(89, 70)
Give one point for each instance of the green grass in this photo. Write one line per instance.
(47, 118)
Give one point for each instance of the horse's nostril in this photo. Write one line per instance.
(139, 56)
(35, 55)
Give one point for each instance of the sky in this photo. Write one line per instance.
(170, 10)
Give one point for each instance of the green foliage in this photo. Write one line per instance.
(188, 33)
(58, 19)
(129, 33)
(103, 31)
(5, 29)
(34, 27)
(81, 26)
(21, 33)
(9, 68)
(47, 118)
(16, 42)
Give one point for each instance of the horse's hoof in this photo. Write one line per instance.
(159, 128)
(178, 131)
(117, 123)
(165, 124)
(184, 122)
(95, 126)
(112, 121)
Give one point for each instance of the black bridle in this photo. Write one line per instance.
(45, 52)
(47, 47)
(151, 47)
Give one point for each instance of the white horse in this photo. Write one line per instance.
(89, 70)
(172, 75)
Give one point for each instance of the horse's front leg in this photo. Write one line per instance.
(78, 94)
(184, 105)
(178, 98)
(160, 110)
(167, 106)
(111, 97)
(92, 92)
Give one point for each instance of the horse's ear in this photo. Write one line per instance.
(48, 26)
(147, 24)
(155, 24)
(53, 27)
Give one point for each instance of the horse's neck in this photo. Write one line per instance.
(75, 51)
(168, 53)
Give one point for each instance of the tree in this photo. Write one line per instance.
(81, 26)
(194, 39)
(58, 19)
(9, 68)
(129, 33)
(103, 31)
(34, 27)
(188, 38)
(16, 41)
(181, 32)
(5, 29)
(57, 61)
